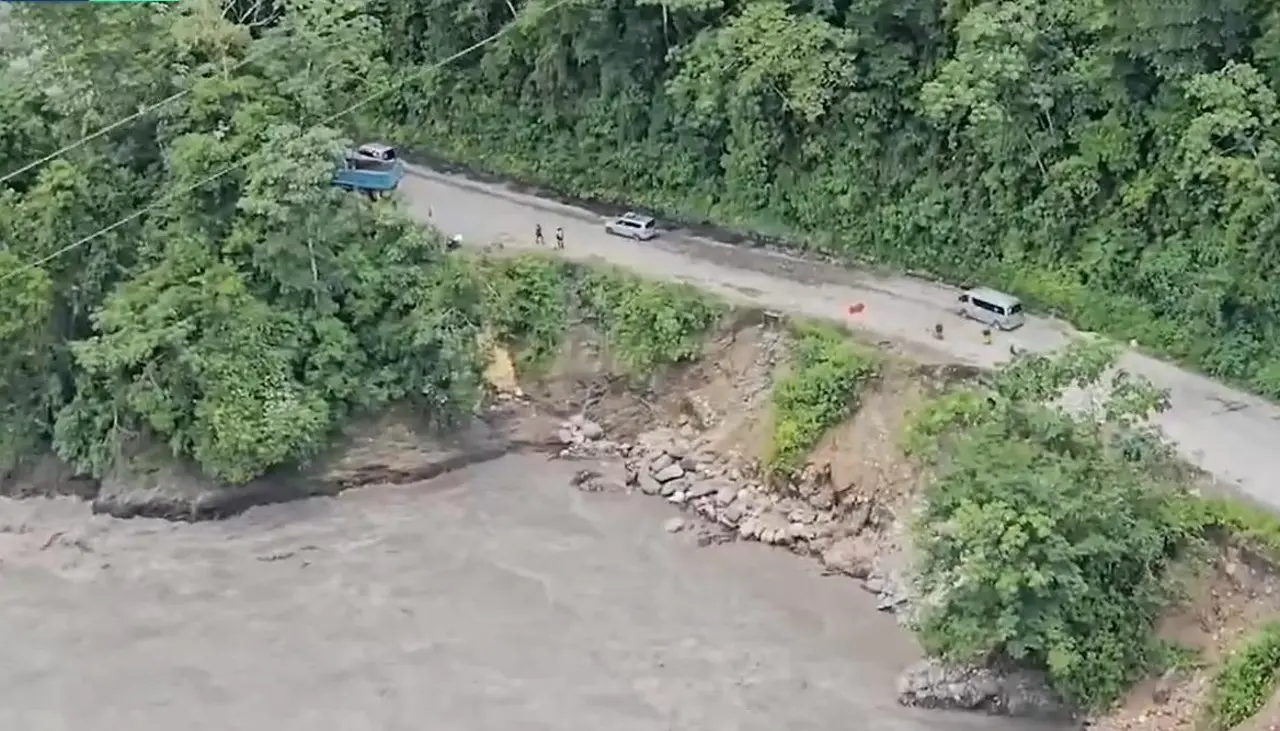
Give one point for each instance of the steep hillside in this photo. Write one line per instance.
(193, 319)
(1111, 161)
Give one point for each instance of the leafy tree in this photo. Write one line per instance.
(241, 320)
(1047, 537)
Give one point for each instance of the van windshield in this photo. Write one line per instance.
(1016, 309)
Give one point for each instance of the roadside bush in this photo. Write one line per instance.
(1047, 539)
(527, 304)
(531, 300)
(1247, 680)
(820, 391)
(648, 324)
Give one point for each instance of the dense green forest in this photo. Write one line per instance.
(184, 281)
(1115, 165)
(1112, 161)
(252, 306)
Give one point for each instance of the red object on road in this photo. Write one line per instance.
(856, 308)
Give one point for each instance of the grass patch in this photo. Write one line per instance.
(821, 390)
(1246, 681)
(1255, 527)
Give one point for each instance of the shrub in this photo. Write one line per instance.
(820, 391)
(1046, 538)
(649, 324)
(1246, 681)
(527, 304)
(532, 298)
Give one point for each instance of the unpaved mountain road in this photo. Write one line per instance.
(496, 598)
(1232, 435)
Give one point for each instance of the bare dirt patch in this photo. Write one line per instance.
(1225, 601)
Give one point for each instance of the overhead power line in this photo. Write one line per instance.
(162, 200)
(144, 111)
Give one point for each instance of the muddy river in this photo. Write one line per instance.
(493, 599)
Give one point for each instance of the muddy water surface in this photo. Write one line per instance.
(495, 599)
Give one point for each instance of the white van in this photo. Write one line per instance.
(992, 308)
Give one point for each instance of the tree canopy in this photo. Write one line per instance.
(1113, 161)
(244, 315)
(1047, 538)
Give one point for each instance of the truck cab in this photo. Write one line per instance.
(373, 168)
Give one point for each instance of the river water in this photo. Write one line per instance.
(493, 599)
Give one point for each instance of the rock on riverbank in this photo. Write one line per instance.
(856, 540)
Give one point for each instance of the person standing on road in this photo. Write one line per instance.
(559, 238)
(537, 236)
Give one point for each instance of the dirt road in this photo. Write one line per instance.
(1233, 435)
(494, 598)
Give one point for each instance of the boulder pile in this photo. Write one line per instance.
(998, 691)
(851, 539)
(722, 490)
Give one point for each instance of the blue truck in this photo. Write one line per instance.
(373, 169)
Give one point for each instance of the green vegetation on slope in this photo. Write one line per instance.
(238, 323)
(1047, 538)
(1050, 538)
(529, 305)
(1247, 680)
(646, 324)
(820, 391)
(243, 319)
(1255, 528)
(1110, 161)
